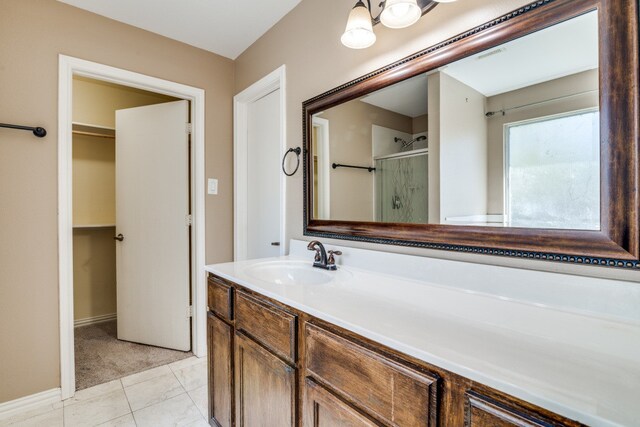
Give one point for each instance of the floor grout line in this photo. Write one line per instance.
(164, 400)
(128, 403)
(127, 397)
(194, 402)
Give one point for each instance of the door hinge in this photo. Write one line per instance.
(190, 311)
(189, 220)
(189, 128)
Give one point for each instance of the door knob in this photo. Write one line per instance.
(119, 237)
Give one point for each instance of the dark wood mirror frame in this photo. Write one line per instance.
(617, 244)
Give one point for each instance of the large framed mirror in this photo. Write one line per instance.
(516, 138)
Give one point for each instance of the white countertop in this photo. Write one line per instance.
(566, 343)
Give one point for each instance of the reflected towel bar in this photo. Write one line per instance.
(37, 131)
(338, 165)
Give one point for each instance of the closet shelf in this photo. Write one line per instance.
(93, 130)
(80, 226)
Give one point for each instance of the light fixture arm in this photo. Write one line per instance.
(376, 20)
(359, 33)
(425, 6)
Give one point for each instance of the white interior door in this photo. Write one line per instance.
(152, 206)
(263, 152)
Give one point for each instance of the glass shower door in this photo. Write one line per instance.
(402, 189)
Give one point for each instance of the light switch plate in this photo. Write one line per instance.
(212, 186)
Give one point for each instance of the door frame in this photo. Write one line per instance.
(324, 168)
(271, 82)
(68, 67)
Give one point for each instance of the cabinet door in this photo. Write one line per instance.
(379, 386)
(323, 409)
(220, 375)
(265, 386)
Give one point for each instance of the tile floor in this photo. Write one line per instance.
(169, 395)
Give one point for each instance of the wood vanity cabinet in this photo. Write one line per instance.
(265, 386)
(324, 409)
(271, 365)
(220, 351)
(385, 389)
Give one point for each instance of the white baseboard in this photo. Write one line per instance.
(44, 400)
(95, 319)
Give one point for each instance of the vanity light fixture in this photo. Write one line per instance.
(359, 32)
(400, 13)
(395, 14)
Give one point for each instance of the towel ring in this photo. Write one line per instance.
(296, 150)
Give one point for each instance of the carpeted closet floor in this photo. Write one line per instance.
(101, 357)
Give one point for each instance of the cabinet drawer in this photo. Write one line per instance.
(395, 394)
(220, 298)
(483, 411)
(267, 324)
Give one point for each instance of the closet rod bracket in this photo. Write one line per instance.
(37, 131)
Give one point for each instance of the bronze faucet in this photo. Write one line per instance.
(321, 260)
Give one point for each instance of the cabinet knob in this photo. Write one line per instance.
(119, 237)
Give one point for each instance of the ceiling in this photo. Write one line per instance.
(558, 51)
(224, 27)
(408, 97)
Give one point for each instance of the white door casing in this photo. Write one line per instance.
(324, 167)
(263, 177)
(241, 102)
(69, 67)
(152, 208)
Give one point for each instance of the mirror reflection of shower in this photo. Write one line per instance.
(401, 178)
(408, 145)
(402, 188)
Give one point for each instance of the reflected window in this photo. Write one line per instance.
(552, 176)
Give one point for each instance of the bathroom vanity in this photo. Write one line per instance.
(398, 340)
(290, 344)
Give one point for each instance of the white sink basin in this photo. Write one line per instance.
(292, 273)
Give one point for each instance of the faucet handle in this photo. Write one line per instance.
(331, 259)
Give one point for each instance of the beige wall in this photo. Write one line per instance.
(94, 180)
(32, 35)
(350, 142)
(307, 41)
(457, 149)
(95, 102)
(463, 150)
(94, 272)
(420, 124)
(569, 85)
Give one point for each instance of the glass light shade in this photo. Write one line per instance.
(359, 32)
(400, 13)
(444, 1)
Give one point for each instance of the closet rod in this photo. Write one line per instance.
(37, 131)
(97, 135)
